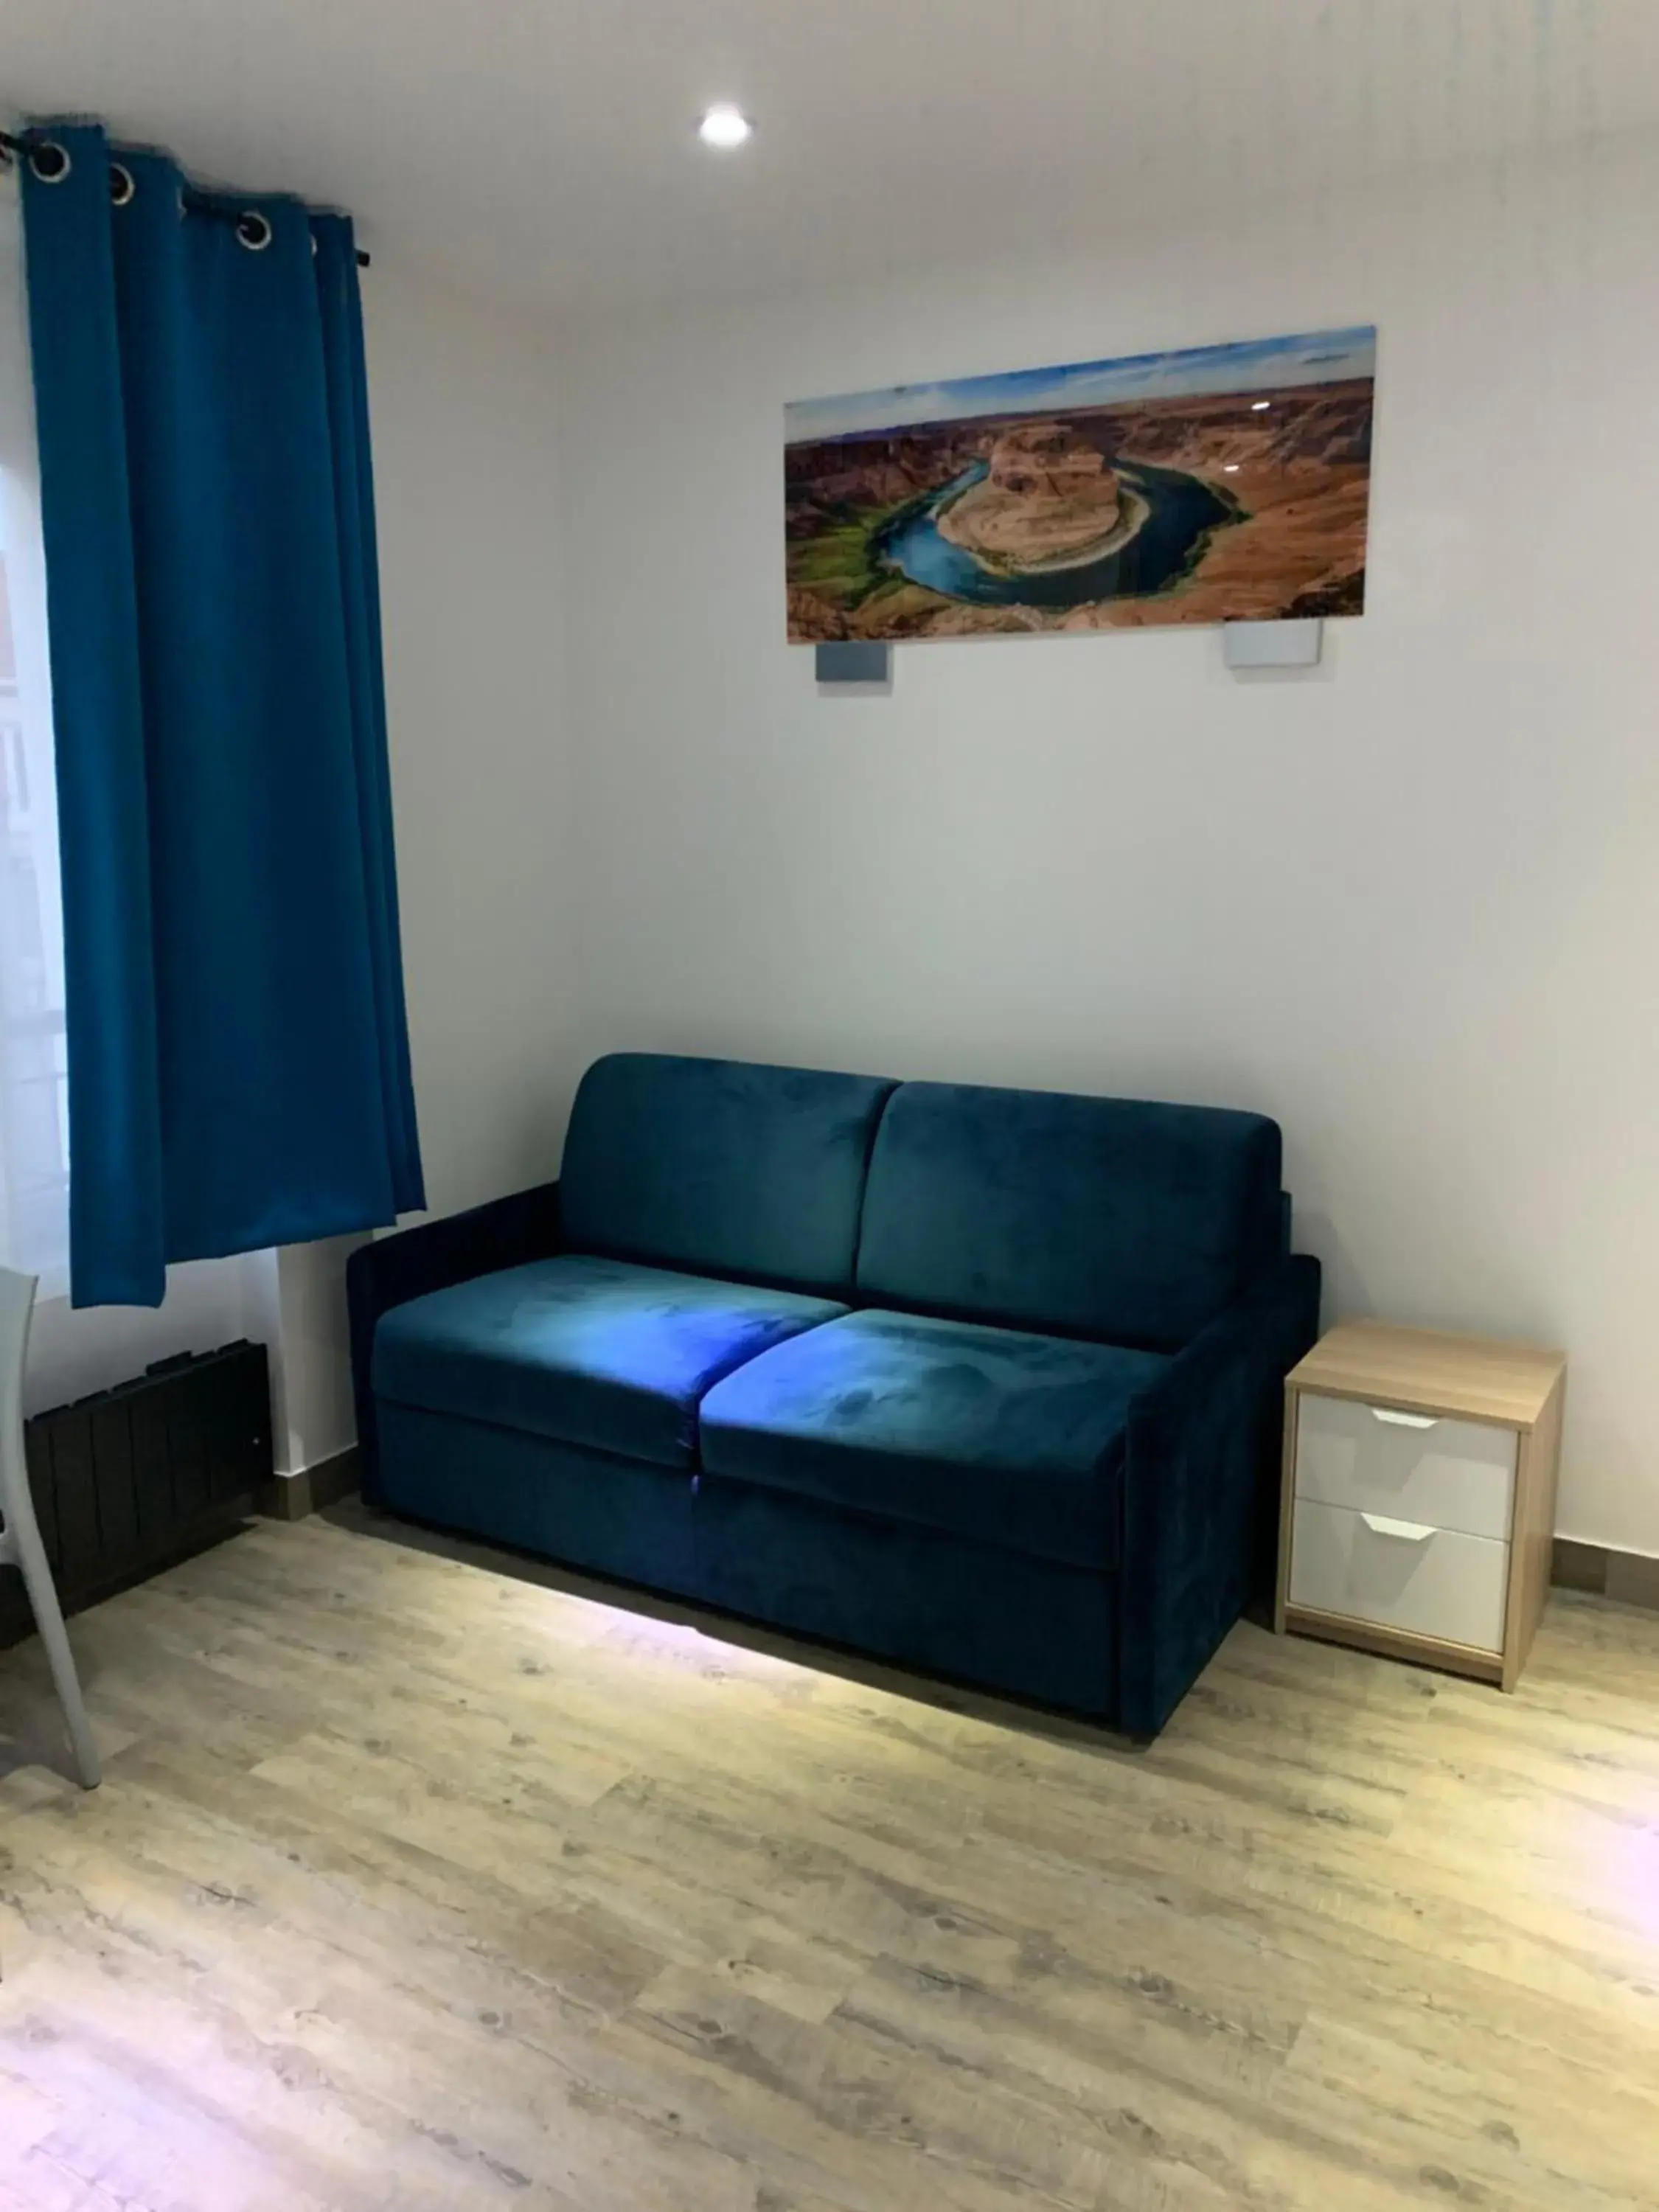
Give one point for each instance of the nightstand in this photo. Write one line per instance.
(1418, 1504)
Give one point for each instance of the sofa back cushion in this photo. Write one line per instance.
(720, 1166)
(1108, 1218)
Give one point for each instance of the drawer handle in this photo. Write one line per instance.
(1404, 1420)
(1409, 1532)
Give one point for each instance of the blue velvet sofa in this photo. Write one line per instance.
(983, 1381)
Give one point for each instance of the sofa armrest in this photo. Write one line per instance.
(1200, 1483)
(392, 1270)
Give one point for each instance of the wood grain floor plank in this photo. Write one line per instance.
(425, 1878)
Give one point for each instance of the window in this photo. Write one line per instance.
(33, 1069)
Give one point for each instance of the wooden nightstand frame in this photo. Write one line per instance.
(1461, 1378)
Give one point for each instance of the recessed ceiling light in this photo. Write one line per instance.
(1258, 405)
(724, 126)
(1230, 468)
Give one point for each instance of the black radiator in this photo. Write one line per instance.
(129, 1480)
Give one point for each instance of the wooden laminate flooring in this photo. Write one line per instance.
(418, 1882)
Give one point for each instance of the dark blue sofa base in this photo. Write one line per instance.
(1030, 1628)
(566, 1502)
(919, 1598)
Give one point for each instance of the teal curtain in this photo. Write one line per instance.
(239, 1070)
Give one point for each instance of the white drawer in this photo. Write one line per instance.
(1451, 1475)
(1400, 1574)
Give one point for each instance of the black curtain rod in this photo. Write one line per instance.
(15, 150)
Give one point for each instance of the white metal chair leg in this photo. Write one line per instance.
(20, 1532)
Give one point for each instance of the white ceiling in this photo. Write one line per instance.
(545, 148)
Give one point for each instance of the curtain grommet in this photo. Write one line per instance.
(121, 186)
(50, 162)
(254, 231)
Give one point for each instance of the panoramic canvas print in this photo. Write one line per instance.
(1223, 484)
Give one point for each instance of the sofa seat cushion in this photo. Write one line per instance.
(587, 1351)
(992, 1433)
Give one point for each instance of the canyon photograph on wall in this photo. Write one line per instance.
(1221, 483)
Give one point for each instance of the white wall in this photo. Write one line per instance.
(469, 516)
(468, 513)
(1409, 904)
(470, 519)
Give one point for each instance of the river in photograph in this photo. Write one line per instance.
(1180, 510)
